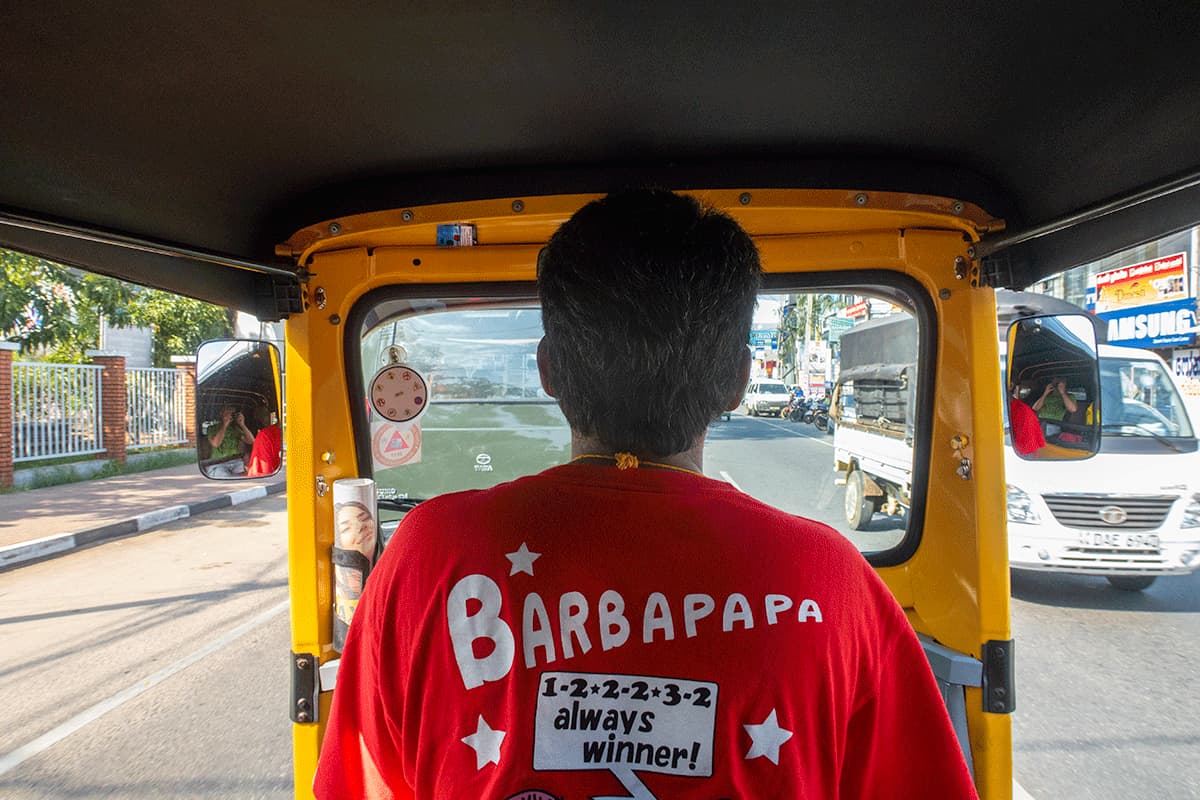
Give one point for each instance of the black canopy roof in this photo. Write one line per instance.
(225, 126)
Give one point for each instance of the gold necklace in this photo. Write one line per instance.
(630, 461)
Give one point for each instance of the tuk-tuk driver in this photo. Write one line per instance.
(622, 625)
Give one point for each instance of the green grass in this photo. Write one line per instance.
(60, 470)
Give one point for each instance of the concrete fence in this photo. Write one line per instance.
(101, 409)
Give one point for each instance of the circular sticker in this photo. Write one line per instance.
(394, 446)
(398, 393)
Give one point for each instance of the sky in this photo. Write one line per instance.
(767, 313)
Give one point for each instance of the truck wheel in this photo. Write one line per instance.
(1130, 583)
(859, 507)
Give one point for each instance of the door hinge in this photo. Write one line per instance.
(999, 689)
(304, 688)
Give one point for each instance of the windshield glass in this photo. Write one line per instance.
(485, 418)
(1139, 399)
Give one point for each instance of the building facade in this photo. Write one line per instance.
(1148, 296)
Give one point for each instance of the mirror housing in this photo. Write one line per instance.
(238, 409)
(1053, 387)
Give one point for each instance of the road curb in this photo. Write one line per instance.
(15, 555)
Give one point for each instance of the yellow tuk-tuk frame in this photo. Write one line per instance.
(954, 587)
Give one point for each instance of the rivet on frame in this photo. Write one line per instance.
(406, 215)
(944, 294)
(860, 199)
(518, 206)
(744, 198)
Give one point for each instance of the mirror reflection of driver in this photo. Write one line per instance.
(1027, 436)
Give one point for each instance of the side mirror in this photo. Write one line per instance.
(238, 420)
(1053, 387)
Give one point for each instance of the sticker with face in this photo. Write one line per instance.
(355, 528)
(398, 393)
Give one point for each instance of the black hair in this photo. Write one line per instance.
(647, 299)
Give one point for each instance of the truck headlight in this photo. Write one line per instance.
(1191, 513)
(1020, 507)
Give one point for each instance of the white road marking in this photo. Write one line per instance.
(1019, 792)
(246, 495)
(15, 758)
(152, 519)
(731, 481)
(792, 431)
(24, 551)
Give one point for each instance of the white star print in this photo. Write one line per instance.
(766, 738)
(486, 744)
(522, 560)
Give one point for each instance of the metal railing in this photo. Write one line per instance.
(56, 410)
(155, 413)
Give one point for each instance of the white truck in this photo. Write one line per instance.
(874, 405)
(1129, 513)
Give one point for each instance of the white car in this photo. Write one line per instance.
(766, 397)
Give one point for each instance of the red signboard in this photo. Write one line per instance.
(1149, 283)
(859, 309)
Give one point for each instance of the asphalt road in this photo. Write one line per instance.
(149, 620)
(156, 666)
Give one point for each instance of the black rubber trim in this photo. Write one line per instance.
(886, 284)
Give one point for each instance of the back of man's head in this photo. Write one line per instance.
(647, 299)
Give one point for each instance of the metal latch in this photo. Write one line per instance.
(304, 688)
(999, 689)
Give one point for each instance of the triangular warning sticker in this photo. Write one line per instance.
(396, 442)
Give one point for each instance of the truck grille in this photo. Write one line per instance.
(1144, 512)
(1102, 559)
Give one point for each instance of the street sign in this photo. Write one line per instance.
(765, 338)
(837, 326)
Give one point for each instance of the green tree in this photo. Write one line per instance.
(180, 324)
(55, 311)
(800, 321)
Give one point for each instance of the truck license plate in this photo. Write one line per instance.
(1139, 541)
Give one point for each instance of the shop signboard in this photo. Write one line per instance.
(860, 309)
(1148, 304)
(762, 337)
(1186, 366)
(838, 326)
(1150, 283)
(1160, 325)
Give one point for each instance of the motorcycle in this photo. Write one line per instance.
(796, 409)
(818, 415)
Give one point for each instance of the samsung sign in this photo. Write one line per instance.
(1158, 325)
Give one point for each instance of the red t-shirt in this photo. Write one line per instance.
(264, 457)
(589, 633)
(1027, 436)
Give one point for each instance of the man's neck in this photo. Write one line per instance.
(690, 459)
